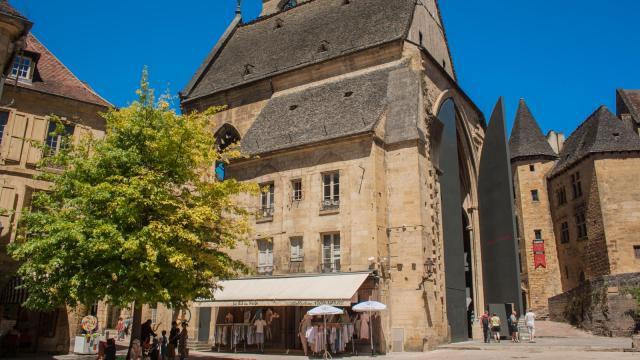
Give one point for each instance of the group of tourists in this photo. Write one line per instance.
(491, 326)
(150, 346)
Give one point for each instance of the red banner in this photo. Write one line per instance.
(539, 258)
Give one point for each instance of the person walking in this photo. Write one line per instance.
(530, 320)
(146, 333)
(495, 326)
(484, 324)
(164, 346)
(513, 327)
(182, 342)
(174, 335)
(120, 329)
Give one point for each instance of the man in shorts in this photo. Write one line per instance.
(530, 320)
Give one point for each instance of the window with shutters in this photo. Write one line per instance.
(57, 138)
(267, 201)
(4, 118)
(297, 254)
(331, 191)
(265, 256)
(564, 230)
(331, 252)
(8, 206)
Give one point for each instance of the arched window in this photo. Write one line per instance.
(225, 137)
(289, 4)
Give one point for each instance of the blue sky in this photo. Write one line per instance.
(565, 57)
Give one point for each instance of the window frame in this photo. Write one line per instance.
(581, 224)
(576, 185)
(636, 251)
(17, 66)
(4, 121)
(565, 234)
(54, 143)
(331, 247)
(298, 255)
(331, 190)
(265, 262)
(267, 200)
(296, 194)
(535, 195)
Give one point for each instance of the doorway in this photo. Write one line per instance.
(204, 323)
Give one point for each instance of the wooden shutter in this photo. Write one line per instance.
(37, 133)
(7, 204)
(81, 133)
(15, 137)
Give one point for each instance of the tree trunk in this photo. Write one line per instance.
(136, 328)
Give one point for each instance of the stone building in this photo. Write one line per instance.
(532, 157)
(341, 107)
(37, 85)
(578, 208)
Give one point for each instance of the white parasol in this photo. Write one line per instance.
(325, 310)
(369, 306)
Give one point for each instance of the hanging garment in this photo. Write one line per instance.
(356, 321)
(247, 316)
(364, 326)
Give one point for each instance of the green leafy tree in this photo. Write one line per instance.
(136, 217)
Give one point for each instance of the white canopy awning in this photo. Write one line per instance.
(305, 290)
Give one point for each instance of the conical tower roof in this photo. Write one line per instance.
(527, 140)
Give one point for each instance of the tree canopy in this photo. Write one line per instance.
(136, 216)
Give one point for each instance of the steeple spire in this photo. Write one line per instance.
(527, 140)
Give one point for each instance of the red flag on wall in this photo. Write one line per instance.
(539, 258)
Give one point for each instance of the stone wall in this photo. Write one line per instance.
(602, 305)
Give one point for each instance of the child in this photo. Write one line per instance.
(164, 346)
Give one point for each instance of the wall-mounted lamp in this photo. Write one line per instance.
(429, 271)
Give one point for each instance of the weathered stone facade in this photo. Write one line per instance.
(37, 86)
(603, 305)
(588, 202)
(384, 152)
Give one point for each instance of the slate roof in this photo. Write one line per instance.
(631, 99)
(527, 140)
(7, 9)
(602, 132)
(342, 108)
(52, 77)
(291, 39)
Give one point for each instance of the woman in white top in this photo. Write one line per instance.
(530, 320)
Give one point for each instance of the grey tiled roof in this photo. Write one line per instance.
(310, 33)
(602, 132)
(527, 140)
(349, 106)
(631, 99)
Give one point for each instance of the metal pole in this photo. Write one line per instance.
(371, 332)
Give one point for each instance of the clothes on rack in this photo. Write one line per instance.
(364, 326)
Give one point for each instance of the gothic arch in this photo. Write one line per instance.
(226, 135)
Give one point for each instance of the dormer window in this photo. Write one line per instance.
(22, 68)
(289, 4)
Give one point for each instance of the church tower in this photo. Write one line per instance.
(531, 160)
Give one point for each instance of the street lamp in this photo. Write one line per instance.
(429, 271)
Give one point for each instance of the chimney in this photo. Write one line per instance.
(556, 140)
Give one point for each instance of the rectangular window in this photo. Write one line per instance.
(532, 168)
(581, 225)
(296, 186)
(297, 254)
(265, 257)
(55, 141)
(331, 190)
(566, 272)
(21, 68)
(561, 195)
(4, 118)
(267, 200)
(636, 251)
(420, 38)
(564, 229)
(331, 252)
(538, 234)
(534, 195)
(576, 185)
